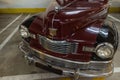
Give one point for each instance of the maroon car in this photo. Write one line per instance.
(72, 37)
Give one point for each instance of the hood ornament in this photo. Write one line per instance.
(52, 32)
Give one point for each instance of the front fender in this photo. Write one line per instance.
(37, 25)
(108, 33)
(29, 21)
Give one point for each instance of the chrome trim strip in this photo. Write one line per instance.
(60, 59)
(53, 41)
(100, 75)
(101, 61)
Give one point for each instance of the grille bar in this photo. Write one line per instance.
(62, 47)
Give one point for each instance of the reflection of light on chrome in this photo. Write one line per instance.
(93, 30)
(105, 33)
(74, 12)
(83, 8)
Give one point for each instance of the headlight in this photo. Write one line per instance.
(24, 31)
(105, 50)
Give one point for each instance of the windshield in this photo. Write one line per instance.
(52, 6)
(61, 4)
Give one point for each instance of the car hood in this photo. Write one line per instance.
(59, 25)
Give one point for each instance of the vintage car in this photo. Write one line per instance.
(72, 37)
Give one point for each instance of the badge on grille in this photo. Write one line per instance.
(52, 31)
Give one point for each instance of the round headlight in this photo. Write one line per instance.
(24, 32)
(105, 50)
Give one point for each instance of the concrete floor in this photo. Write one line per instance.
(11, 61)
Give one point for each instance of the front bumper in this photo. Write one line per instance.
(66, 67)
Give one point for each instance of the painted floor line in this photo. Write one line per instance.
(117, 70)
(114, 18)
(27, 17)
(9, 37)
(10, 23)
(40, 76)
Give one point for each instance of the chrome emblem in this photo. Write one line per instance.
(52, 32)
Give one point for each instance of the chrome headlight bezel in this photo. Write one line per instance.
(24, 32)
(105, 50)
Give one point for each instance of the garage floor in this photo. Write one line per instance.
(13, 65)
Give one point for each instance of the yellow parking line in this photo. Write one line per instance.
(99, 78)
(114, 10)
(22, 10)
(37, 10)
(66, 78)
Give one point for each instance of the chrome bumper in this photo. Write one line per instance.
(66, 67)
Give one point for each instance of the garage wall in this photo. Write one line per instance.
(23, 6)
(24, 3)
(34, 6)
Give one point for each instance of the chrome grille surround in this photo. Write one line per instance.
(62, 47)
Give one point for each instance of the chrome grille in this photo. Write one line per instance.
(58, 46)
